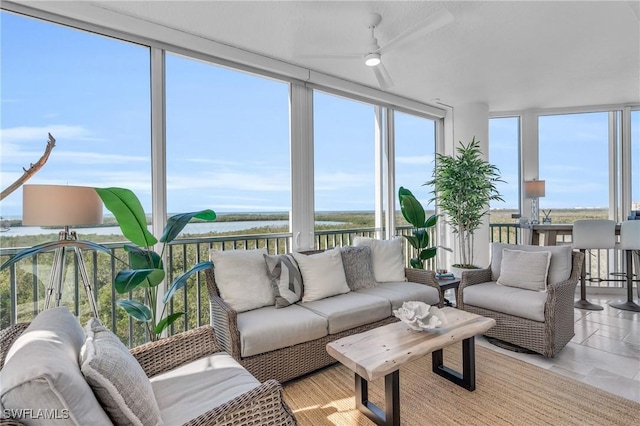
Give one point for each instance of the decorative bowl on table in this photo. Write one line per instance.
(420, 316)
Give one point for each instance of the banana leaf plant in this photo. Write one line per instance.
(413, 213)
(145, 266)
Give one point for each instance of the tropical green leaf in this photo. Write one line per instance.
(166, 322)
(428, 253)
(416, 263)
(412, 210)
(412, 240)
(53, 245)
(135, 309)
(403, 191)
(431, 221)
(422, 236)
(181, 281)
(175, 224)
(146, 259)
(130, 279)
(129, 213)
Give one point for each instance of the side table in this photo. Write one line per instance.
(449, 283)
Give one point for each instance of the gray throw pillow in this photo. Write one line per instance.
(285, 277)
(116, 378)
(358, 267)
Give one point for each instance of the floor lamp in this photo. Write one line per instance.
(63, 206)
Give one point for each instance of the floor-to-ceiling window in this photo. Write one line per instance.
(227, 147)
(92, 94)
(635, 160)
(344, 162)
(574, 163)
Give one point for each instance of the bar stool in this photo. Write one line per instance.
(590, 234)
(629, 241)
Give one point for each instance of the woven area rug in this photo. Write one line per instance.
(508, 392)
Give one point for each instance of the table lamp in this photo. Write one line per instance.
(534, 189)
(63, 206)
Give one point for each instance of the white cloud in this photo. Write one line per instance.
(341, 180)
(58, 131)
(239, 181)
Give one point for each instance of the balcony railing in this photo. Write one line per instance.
(22, 287)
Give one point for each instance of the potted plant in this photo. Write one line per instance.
(463, 185)
(145, 267)
(413, 213)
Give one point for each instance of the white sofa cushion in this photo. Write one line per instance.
(194, 388)
(285, 278)
(559, 266)
(358, 267)
(41, 371)
(399, 292)
(388, 264)
(242, 279)
(524, 269)
(509, 300)
(322, 274)
(116, 378)
(267, 329)
(350, 310)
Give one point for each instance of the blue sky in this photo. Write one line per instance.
(227, 132)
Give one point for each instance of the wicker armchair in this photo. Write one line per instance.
(547, 337)
(262, 405)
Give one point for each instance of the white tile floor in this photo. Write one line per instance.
(605, 352)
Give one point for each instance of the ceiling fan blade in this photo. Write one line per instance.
(431, 23)
(383, 77)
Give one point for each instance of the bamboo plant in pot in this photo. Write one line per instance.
(463, 185)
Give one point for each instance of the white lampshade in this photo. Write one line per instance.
(534, 188)
(60, 205)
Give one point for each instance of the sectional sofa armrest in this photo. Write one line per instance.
(426, 277)
(469, 278)
(224, 319)
(261, 405)
(171, 352)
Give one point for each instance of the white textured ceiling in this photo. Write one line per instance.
(512, 55)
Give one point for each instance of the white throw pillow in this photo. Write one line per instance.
(559, 266)
(322, 274)
(241, 277)
(524, 269)
(388, 264)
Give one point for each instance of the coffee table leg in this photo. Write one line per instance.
(468, 377)
(391, 415)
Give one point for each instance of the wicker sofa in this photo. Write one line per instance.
(288, 361)
(204, 385)
(541, 321)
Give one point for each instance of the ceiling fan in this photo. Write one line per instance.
(373, 55)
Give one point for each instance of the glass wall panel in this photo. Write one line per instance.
(635, 160)
(227, 148)
(344, 165)
(415, 139)
(91, 93)
(504, 152)
(574, 162)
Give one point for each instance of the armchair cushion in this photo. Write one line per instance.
(388, 265)
(194, 388)
(509, 300)
(559, 266)
(41, 371)
(523, 269)
(242, 278)
(116, 378)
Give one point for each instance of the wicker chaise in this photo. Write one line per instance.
(263, 405)
(547, 337)
(293, 361)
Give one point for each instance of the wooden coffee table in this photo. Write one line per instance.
(381, 352)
